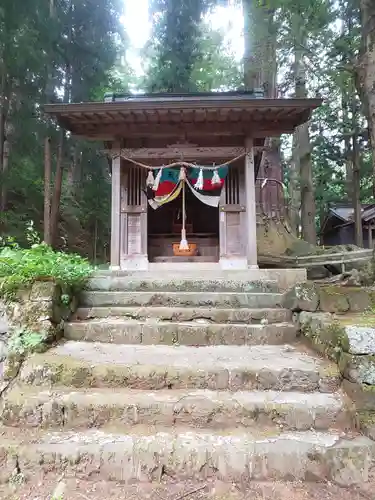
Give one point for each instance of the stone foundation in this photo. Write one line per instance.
(329, 317)
(337, 299)
(38, 309)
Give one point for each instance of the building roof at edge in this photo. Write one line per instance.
(191, 96)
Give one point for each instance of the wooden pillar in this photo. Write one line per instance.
(251, 223)
(47, 191)
(370, 240)
(133, 219)
(116, 209)
(232, 222)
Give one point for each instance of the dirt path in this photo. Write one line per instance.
(74, 489)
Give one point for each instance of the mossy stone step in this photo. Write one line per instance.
(149, 455)
(181, 299)
(126, 331)
(62, 407)
(214, 315)
(86, 364)
(178, 284)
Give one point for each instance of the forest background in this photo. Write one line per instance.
(76, 50)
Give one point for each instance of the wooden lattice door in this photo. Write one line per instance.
(133, 218)
(232, 214)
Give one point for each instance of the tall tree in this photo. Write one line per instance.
(302, 145)
(176, 31)
(53, 51)
(259, 46)
(347, 46)
(217, 68)
(304, 41)
(21, 62)
(367, 70)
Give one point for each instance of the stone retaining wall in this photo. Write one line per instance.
(337, 299)
(329, 317)
(38, 309)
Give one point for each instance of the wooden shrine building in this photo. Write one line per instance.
(214, 142)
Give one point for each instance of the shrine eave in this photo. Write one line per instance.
(211, 115)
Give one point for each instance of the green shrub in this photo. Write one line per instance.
(23, 341)
(21, 267)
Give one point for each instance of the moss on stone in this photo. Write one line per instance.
(341, 289)
(326, 335)
(359, 369)
(332, 300)
(336, 336)
(366, 417)
(340, 299)
(368, 388)
(343, 362)
(332, 289)
(278, 410)
(331, 353)
(367, 318)
(366, 423)
(371, 293)
(302, 297)
(333, 336)
(11, 367)
(329, 370)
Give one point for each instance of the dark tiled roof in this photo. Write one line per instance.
(346, 214)
(195, 96)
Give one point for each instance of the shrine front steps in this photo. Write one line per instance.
(182, 314)
(190, 311)
(246, 431)
(262, 411)
(228, 300)
(286, 278)
(181, 284)
(180, 454)
(156, 367)
(230, 412)
(199, 333)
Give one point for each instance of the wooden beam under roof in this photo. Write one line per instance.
(183, 117)
(211, 116)
(255, 129)
(205, 103)
(179, 152)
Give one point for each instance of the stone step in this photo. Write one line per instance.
(215, 315)
(286, 278)
(176, 299)
(86, 364)
(147, 456)
(176, 284)
(38, 407)
(126, 331)
(178, 259)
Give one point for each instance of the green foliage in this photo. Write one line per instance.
(176, 30)
(185, 54)
(216, 69)
(65, 299)
(330, 44)
(23, 342)
(20, 267)
(57, 52)
(73, 51)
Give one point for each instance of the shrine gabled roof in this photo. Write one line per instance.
(229, 113)
(191, 96)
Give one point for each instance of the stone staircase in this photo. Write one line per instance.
(189, 378)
